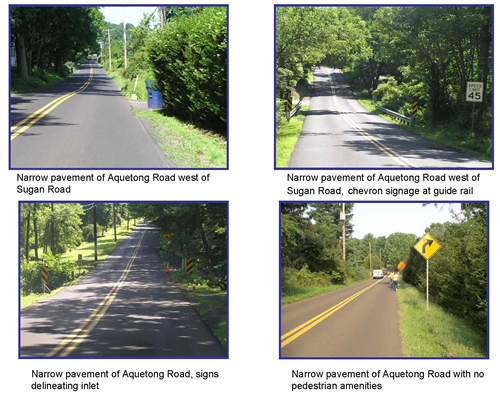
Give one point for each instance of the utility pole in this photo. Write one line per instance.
(109, 46)
(114, 219)
(162, 17)
(370, 244)
(95, 231)
(343, 232)
(124, 38)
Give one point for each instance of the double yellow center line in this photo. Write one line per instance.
(25, 124)
(388, 151)
(70, 343)
(287, 338)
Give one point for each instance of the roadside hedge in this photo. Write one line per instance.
(189, 61)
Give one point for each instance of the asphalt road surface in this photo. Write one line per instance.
(339, 133)
(126, 307)
(82, 122)
(359, 321)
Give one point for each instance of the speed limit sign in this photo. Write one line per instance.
(474, 92)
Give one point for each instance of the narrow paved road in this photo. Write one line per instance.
(339, 133)
(127, 307)
(82, 122)
(359, 321)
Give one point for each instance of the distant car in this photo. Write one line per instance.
(384, 271)
(378, 274)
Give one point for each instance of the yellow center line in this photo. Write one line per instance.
(293, 334)
(388, 151)
(25, 124)
(79, 335)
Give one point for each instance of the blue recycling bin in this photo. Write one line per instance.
(155, 99)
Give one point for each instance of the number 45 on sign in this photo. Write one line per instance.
(474, 92)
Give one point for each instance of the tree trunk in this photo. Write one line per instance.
(52, 229)
(35, 231)
(27, 251)
(22, 65)
(202, 233)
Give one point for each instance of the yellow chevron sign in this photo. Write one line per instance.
(45, 274)
(427, 246)
(414, 109)
(189, 266)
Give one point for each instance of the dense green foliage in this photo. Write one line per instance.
(189, 58)
(458, 271)
(401, 54)
(308, 36)
(199, 231)
(47, 38)
(310, 243)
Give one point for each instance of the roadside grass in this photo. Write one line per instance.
(287, 134)
(209, 302)
(444, 134)
(32, 298)
(35, 82)
(127, 86)
(301, 293)
(105, 246)
(183, 143)
(434, 333)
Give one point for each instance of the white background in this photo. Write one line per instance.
(254, 190)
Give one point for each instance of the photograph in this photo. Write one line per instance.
(378, 87)
(123, 280)
(384, 280)
(118, 87)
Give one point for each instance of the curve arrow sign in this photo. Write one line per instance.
(426, 244)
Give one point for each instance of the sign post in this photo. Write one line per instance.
(474, 93)
(427, 247)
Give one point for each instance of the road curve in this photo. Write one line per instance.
(82, 122)
(359, 321)
(126, 307)
(338, 132)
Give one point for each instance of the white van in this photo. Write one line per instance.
(378, 274)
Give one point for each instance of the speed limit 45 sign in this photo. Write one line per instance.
(474, 92)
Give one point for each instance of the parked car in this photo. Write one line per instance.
(378, 274)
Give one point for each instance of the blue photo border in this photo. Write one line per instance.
(125, 5)
(398, 358)
(123, 201)
(396, 5)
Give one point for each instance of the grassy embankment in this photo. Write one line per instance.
(39, 79)
(105, 246)
(434, 333)
(288, 132)
(35, 82)
(444, 134)
(184, 144)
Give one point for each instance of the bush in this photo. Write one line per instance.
(189, 60)
(59, 273)
(88, 233)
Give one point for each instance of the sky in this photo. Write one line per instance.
(382, 219)
(133, 15)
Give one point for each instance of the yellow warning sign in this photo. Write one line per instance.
(401, 266)
(189, 266)
(167, 235)
(45, 274)
(427, 246)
